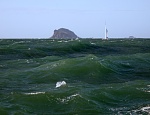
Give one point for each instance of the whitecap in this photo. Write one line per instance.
(27, 61)
(146, 109)
(65, 41)
(92, 43)
(34, 93)
(149, 87)
(60, 83)
(72, 96)
(69, 98)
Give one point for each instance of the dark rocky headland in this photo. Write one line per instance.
(64, 33)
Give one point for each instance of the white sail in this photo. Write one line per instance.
(106, 33)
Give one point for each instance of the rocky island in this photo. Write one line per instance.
(64, 33)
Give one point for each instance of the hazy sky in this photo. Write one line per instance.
(38, 18)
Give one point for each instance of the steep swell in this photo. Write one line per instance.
(102, 77)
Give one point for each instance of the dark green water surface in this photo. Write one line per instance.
(109, 77)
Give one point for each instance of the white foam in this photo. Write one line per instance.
(74, 95)
(1, 65)
(148, 86)
(27, 61)
(69, 98)
(60, 83)
(34, 93)
(65, 41)
(146, 109)
(92, 43)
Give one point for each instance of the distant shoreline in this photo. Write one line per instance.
(74, 39)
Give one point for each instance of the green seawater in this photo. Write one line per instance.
(103, 77)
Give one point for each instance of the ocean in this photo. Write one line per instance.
(102, 77)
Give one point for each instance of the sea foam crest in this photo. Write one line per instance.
(34, 93)
(146, 109)
(149, 87)
(60, 83)
(69, 98)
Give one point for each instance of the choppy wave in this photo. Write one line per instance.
(103, 77)
(34, 93)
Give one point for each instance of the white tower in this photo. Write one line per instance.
(106, 32)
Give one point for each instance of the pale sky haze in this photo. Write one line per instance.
(38, 18)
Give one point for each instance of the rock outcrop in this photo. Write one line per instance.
(63, 33)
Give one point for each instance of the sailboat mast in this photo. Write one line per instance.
(105, 33)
